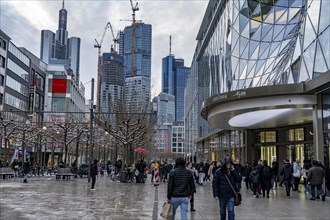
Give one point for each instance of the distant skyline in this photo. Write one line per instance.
(24, 20)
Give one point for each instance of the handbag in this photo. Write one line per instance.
(167, 211)
(238, 196)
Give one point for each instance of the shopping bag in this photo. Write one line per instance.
(167, 211)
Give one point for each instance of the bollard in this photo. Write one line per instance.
(156, 175)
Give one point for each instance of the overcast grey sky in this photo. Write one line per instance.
(23, 21)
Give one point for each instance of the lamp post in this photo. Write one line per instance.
(91, 131)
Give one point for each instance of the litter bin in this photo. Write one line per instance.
(123, 177)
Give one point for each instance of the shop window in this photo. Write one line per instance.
(265, 137)
(296, 134)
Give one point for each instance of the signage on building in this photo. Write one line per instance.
(31, 101)
(59, 86)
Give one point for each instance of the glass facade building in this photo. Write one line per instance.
(112, 84)
(142, 50)
(59, 49)
(260, 65)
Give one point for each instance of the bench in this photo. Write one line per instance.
(6, 172)
(65, 173)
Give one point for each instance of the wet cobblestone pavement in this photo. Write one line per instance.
(47, 198)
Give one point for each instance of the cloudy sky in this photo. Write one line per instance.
(23, 21)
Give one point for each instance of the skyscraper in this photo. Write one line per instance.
(174, 76)
(59, 49)
(180, 83)
(137, 67)
(112, 84)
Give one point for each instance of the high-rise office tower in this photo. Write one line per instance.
(137, 67)
(179, 85)
(59, 49)
(112, 85)
(174, 76)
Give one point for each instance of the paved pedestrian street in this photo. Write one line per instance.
(47, 198)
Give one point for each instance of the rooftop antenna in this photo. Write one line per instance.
(170, 44)
(63, 4)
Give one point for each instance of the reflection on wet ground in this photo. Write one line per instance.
(47, 198)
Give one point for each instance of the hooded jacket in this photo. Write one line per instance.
(220, 185)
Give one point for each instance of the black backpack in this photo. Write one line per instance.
(267, 172)
(254, 176)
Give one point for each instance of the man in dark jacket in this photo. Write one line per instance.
(287, 172)
(246, 173)
(275, 171)
(93, 173)
(315, 177)
(222, 190)
(26, 170)
(180, 187)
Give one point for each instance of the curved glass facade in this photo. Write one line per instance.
(248, 44)
(255, 43)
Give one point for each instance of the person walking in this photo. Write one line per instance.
(255, 178)
(246, 173)
(180, 188)
(266, 178)
(26, 170)
(297, 172)
(275, 173)
(287, 172)
(192, 170)
(222, 190)
(93, 174)
(201, 174)
(315, 177)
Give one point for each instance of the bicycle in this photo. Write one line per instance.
(115, 177)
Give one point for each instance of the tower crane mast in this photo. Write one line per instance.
(134, 9)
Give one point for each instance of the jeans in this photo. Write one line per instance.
(319, 190)
(287, 184)
(93, 181)
(229, 204)
(183, 203)
(201, 177)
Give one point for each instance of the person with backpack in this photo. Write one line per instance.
(266, 175)
(254, 178)
(287, 172)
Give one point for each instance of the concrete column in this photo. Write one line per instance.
(317, 130)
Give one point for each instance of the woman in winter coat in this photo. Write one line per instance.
(315, 177)
(266, 178)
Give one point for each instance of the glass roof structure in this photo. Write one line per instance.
(253, 43)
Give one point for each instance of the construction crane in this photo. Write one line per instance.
(99, 45)
(134, 9)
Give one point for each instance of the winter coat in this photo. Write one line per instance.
(275, 168)
(26, 167)
(180, 183)
(247, 171)
(94, 169)
(297, 172)
(315, 175)
(266, 182)
(287, 171)
(220, 185)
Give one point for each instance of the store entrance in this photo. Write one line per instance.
(268, 153)
(295, 152)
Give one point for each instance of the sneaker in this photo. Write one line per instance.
(92, 188)
(317, 197)
(323, 197)
(267, 196)
(312, 198)
(257, 196)
(193, 210)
